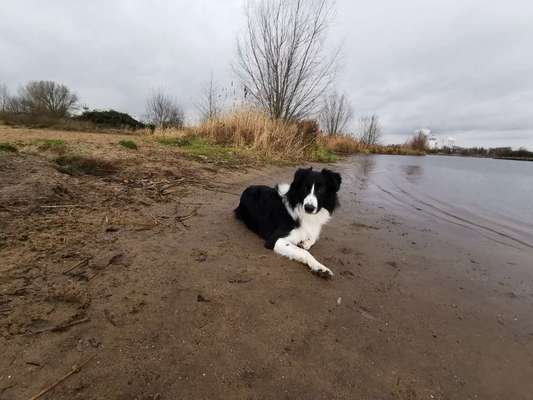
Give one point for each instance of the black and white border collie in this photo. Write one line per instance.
(290, 217)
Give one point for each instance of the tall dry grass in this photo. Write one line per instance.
(272, 139)
(342, 144)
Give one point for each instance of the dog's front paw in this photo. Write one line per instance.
(306, 244)
(322, 271)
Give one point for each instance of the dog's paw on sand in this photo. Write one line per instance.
(323, 273)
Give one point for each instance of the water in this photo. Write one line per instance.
(492, 198)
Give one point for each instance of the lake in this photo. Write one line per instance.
(488, 197)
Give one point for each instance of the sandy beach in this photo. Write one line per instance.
(194, 307)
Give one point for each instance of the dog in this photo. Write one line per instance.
(289, 217)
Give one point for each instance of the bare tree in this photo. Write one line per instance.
(209, 105)
(369, 129)
(47, 97)
(336, 114)
(4, 97)
(163, 111)
(14, 105)
(280, 59)
(419, 141)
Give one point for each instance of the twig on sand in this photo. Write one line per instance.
(171, 185)
(3, 389)
(143, 228)
(5, 306)
(182, 218)
(218, 190)
(81, 263)
(63, 206)
(75, 369)
(61, 327)
(5, 309)
(240, 280)
(10, 209)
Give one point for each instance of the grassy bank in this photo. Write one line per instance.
(230, 140)
(256, 136)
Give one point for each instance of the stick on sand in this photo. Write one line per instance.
(75, 369)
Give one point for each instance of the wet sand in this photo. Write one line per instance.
(418, 309)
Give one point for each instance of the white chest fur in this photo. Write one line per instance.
(310, 226)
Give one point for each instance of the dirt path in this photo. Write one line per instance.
(191, 306)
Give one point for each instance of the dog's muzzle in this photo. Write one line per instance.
(309, 208)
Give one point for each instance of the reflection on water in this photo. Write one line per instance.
(491, 197)
(413, 172)
(365, 166)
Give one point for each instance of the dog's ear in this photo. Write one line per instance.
(300, 175)
(333, 179)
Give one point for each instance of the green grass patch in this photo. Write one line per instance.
(321, 154)
(80, 165)
(8, 147)
(174, 141)
(202, 149)
(57, 146)
(129, 144)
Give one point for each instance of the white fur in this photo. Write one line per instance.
(311, 199)
(306, 234)
(285, 248)
(310, 226)
(283, 188)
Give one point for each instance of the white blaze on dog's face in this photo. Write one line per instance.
(310, 202)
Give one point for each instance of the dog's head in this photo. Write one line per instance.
(314, 190)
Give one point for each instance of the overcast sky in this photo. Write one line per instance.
(460, 68)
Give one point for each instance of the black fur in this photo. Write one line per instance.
(262, 210)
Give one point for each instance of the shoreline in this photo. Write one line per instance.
(478, 156)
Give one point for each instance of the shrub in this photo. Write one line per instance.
(322, 154)
(110, 119)
(57, 146)
(129, 144)
(272, 139)
(508, 152)
(79, 165)
(46, 121)
(343, 144)
(29, 119)
(419, 141)
(8, 147)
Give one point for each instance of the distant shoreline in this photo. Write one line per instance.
(513, 158)
(481, 156)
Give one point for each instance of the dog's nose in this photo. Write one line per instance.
(309, 208)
